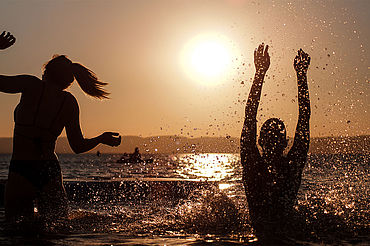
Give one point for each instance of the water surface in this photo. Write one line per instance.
(333, 201)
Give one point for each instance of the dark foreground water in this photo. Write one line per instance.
(333, 203)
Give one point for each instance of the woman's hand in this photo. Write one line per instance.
(110, 138)
(262, 58)
(6, 40)
(301, 62)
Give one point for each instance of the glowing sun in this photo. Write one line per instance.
(207, 58)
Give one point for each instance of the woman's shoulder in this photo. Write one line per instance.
(29, 78)
(69, 96)
(30, 83)
(71, 100)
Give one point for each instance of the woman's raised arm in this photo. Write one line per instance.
(12, 84)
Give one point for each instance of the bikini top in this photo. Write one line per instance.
(36, 130)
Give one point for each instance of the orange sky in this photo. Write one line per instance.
(136, 47)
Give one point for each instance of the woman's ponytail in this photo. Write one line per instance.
(88, 81)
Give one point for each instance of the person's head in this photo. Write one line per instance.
(273, 136)
(62, 71)
(137, 149)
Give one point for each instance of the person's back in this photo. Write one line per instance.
(271, 191)
(39, 118)
(272, 179)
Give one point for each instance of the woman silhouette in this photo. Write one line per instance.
(45, 108)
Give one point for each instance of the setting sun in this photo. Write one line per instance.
(206, 58)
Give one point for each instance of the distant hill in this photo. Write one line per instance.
(175, 144)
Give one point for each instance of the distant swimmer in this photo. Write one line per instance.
(136, 156)
(44, 110)
(131, 158)
(272, 180)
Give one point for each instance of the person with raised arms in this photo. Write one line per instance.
(272, 179)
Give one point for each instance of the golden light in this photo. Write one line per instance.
(213, 167)
(224, 186)
(207, 58)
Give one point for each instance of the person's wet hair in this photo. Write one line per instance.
(62, 71)
(273, 134)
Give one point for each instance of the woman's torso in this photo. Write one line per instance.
(39, 119)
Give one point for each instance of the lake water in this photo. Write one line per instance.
(333, 201)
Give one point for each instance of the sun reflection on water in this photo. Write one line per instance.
(225, 186)
(212, 167)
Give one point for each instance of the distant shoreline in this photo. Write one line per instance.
(176, 144)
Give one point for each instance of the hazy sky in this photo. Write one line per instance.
(138, 48)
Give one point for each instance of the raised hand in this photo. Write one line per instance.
(6, 40)
(262, 58)
(301, 62)
(110, 138)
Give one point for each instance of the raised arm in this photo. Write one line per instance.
(302, 135)
(12, 84)
(78, 143)
(248, 145)
(17, 83)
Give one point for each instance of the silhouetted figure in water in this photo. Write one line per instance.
(136, 156)
(131, 158)
(272, 180)
(45, 108)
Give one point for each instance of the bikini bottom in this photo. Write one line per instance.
(38, 172)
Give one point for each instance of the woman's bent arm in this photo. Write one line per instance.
(78, 143)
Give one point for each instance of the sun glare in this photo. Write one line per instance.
(207, 58)
(205, 166)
